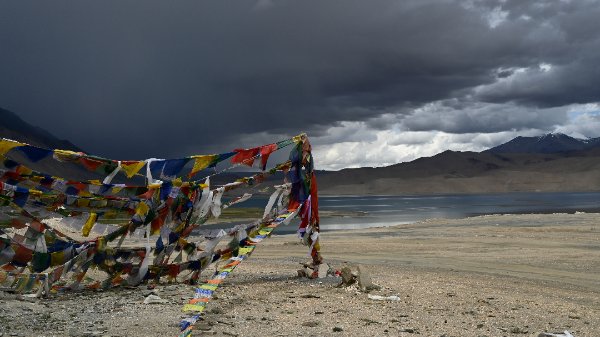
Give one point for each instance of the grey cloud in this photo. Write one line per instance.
(132, 79)
(583, 126)
(565, 34)
(481, 117)
(412, 138)
(347, 132)
(561, 85)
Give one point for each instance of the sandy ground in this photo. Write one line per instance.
(499, 275)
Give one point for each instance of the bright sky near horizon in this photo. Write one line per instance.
(372, 82)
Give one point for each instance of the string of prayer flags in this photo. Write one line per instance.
(165, 169)
(144, 213)
(304, 190)
(22, 196)
(204, 293)
(22, 175)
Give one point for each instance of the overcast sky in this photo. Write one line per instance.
(372, 82)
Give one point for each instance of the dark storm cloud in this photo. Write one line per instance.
(473, 117)
(566, 35)
(133, 79)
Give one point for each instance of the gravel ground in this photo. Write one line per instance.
(517, 275)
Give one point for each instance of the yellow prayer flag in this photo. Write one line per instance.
(83, 202)
(7, 145)
(23, 170)
(98, 203)
(265, 231)
(35, 193)
(66, 155)
(212, 287)
(132, 167)
(245, 250)
(85, 231)
(179, 227)
(21, 283)
(101, 244)
(116, 189)
(154, 186)
(298, 138)
(84, 193)
(142, 209)
(110, 214)
(202, 162)
(57, 258)
(194, 307)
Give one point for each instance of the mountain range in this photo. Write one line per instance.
(15, 128)
(548, 163)
(549, 143)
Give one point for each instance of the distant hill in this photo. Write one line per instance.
(549, 163)
(549, 143)
(13, 127)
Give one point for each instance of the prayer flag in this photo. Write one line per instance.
(245, 156)
(85, 231)
(7, 145)
(21, 196)
(66, 155)
(35, 154)
(172, 167)
(265, 152)
(202, 162)
(132, 167)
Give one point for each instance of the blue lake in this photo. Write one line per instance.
(393, 210)
(355, 212)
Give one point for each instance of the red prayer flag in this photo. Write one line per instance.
(265, 151)
(159, 221)
(314, 198)
(23, 255)
(245, 156)
(90, 164)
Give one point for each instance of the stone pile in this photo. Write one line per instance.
(361, 277)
